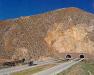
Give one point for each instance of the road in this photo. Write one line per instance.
(8, 71)
(59, 68)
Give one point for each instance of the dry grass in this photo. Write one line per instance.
(34, 70)
(83, 68)
(75, 70)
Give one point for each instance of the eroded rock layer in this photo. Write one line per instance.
(64, 30)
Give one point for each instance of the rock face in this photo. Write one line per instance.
(64, 30)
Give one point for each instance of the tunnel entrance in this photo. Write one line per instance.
(23, 60)
(81, 56)
(68, 56)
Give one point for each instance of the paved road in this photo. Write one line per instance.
(59, 68)
(8, 71)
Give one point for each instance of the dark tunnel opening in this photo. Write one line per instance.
(81, 56)
(68, 56)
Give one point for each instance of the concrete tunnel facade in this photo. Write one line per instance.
(76, 55)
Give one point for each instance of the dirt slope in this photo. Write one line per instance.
(63, 30)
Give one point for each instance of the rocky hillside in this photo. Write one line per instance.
(63, 30)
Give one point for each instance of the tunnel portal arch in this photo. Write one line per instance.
(82, 56)
(68, 56)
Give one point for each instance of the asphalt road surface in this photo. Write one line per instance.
(59, 68)
(56, 69)
(8, 71)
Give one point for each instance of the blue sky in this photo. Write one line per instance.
(16, 8)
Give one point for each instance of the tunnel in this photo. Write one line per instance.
(23, 60)
(68, 56)
(81, 56)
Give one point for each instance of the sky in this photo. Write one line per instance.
(15, 8)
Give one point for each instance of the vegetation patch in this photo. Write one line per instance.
(88, 67)
(83, 68)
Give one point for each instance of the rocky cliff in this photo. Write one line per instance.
(63, 30)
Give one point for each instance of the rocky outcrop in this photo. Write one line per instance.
(63, 30)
